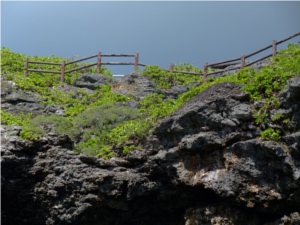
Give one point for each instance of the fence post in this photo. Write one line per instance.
(136, 61)
(274, 47)
(205, 70)
(99, 63)
(62, 75)
(171, 67)
(26, 67)
(243, 63)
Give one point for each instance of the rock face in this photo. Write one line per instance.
(204, 164)
(139, 86)
(92, 81)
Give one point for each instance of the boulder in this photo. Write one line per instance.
(221, 113)
(92, 81)
(137, 86)
(20, 101)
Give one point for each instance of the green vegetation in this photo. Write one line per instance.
(99, 123)
(36, 127)
(164, 79)
(9, 119)
(12, 67)
(93, 129)
(271, 134)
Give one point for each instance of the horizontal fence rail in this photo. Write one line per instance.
(98, 64)
(240, 62)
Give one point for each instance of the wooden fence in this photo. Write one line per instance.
(241, 61)
(98, 64)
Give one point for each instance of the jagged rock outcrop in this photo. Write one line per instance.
(139, 86)
(92, 81)
(204, 164)
(16, 101)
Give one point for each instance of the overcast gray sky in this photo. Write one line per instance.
(162, 32)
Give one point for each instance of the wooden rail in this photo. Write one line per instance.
(99, 62)
(241, 61)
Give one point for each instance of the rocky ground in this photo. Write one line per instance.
(204, 164)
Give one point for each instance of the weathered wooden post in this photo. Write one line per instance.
(243, 62)
(171, 67)
(62, 75)
(274, 47)
(26, 67)
(99, 63)
(205, 70)
(136, 62)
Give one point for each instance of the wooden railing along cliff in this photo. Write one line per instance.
(218, 65)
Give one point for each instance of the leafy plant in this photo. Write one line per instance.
(270, 134)
(104, 117)
(93, 129)
(95, 147)
(128, 148)
(38, 126)
(9, 119)
(165, 80)
(277, 117)
(12, 65)
(137, 129)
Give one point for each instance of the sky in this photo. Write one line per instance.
(163, 32)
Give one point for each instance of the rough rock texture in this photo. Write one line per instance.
(92, 81)
(16, 101)
(220, 213)
(204, 164)
(139, 86)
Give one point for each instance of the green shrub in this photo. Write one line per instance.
(271, 134)
(11, 62)
(164, 79)
(156, 107)
(104, 117)
(132, 129)
(95, 147)
(38, 126)
(128, 148)
(277, 117)
(12, 66)
(9, 119)
(93, 129)
(101, 96)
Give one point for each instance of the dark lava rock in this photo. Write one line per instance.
(175, 91)
(92, 81)
(204, 164)
(218, 114)
(219, 213)
(22, 101)
(137, 86)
